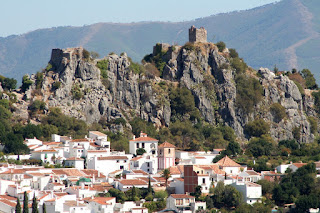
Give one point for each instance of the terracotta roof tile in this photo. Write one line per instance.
(180, 196)
(115, 157)
(166, 145)
(298, 165)
(144, 139)
(227, 162)
(8, 202)
(97, 133)
(133, 182)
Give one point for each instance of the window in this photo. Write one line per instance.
(187, 200)
(203, 180)
(125, 161)
(137, 145)
(118, 161)
(121, 167)
(179, 202)
(142, 145)
(153, 152)
(169, 151)
(136, 164)
(148, 164)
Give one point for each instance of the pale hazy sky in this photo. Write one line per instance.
(21, 16)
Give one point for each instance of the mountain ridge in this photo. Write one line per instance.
(261, 35)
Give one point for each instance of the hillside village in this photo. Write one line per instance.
(89, 169)
(67, 174)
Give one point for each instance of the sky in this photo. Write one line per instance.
(22, 16)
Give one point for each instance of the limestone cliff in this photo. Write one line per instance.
(82, 93)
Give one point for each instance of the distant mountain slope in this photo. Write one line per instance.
(283, 34)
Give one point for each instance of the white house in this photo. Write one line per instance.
(102, 204)
(108, 164)
(144, 142)
(184, 203)
(250, 176)
(47, 156)
(251, 192)
(77, 163)
(229, 166)
(126, 184)
(178, 185)
(100, 139)
(147, 163)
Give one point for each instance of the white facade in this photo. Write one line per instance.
(77, 163)
(251, 192)
(145, 142)
(147, 163)
(47, 156)
(108, 164)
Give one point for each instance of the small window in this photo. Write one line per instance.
(137, 145)
(117, 161)
(203, 180)
(169, 151)
(121, 167)
(125, 161)
(142, 145)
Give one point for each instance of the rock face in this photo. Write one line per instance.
(84, 94)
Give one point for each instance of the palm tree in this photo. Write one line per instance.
(166, 174)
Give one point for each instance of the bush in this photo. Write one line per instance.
(296, 133)
(36, 106)
(76, 92)
(256, 128)
(239, 65)
(221, 46)
(233, 53)
(140, 151)
(189, 46)
(86, 54)
(316, 96)
(249, 92)
(49, 67)
(56, 85)
(278, 112)
(39, 80)
(259, 147)
(103, 66)
(310, 80)
(181, 101)
(8, 83)
(313, 124)
(26, 83)
(136, 68)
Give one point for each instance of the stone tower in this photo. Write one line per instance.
(197, 35)
(166, 155)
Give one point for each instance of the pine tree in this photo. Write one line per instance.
(44, 209)
(133, 193)
(18, 206)
(34, 205)
(25, 202)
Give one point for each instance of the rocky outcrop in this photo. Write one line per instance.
(75, 85)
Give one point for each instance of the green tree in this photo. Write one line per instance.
(34, 205)
(26, 83)
(310, 80)
(278, 111)
(233, 53)
(181, 101)
(233, 149)
(260, 146)
(140, 151)
(119, 195)
(221, 46)
(166, 174)
(197, 193)
(9, 83)
(25, 202)
(44, 209)
(18, 206)
(256, 128)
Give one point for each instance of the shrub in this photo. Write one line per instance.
(39, 80)
(26, 83)
(76, 92)
(56, 85)
(8, 83)
(181, 101)
(310, 80)
(49, 67)
(313, 124)
(316, 96)
(136, 68)
(121, 121)
(103, 66)
(278, 111)
(233, 53)
(239, 65)
(189, 46)
(249, 92)
(296, 133)
(256, 128)
(140, 151)
(259, 147)
(86, 54)
(221, 46)
(37, 106)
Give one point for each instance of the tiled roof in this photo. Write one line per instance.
(73, 203)
(166, 145)
(100, 200)
(80, 140)
(144, 139)
(139, 171)
(68, 172)
(251, 172)
(133, 182)
(227, 162)
(180, 196)
(7, 202)
(7, 197)
(91, 172)
(298, 165)
(180, 179)
(97, 133)
(46, 150)
(74, 158)
(250, 184)
(116, 157)
(199, 157)
(97, 151)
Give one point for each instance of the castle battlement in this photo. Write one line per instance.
(197, 35)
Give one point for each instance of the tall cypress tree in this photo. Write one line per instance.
(149, 186)
(18, 206)
(34, 204)
(44, 209)
(25, 202)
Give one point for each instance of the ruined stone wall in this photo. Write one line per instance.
(197, 35)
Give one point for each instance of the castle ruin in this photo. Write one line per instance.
(197, 35)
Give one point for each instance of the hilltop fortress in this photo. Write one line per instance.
(197, 35)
